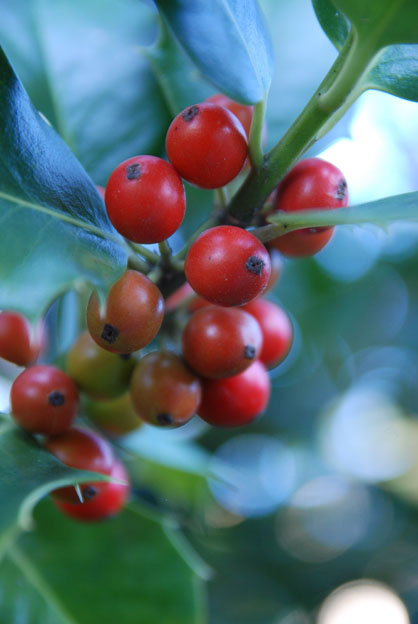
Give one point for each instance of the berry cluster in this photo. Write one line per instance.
(228, 333)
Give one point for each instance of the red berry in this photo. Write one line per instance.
(99, 373)
(132, 316)
(235, 401)
(44, 399)
(305, 242)
(228, 266)
(220, 342)
(145, 199)
(164, 391)
(19, 343)
(243, 112)
(312, 184)
(106, 502)
(276, 329)
(86, 450)
(207, 145)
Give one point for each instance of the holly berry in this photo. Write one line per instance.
(221, 342)
(276, 328)
(86, 450)
(243, 112)
(99, 373)
(235, 401)
(207, 145)
(164, 391)
(44, 399)
(132, 316)
(19, 343)
(106, 502)
(115, 416)
(228, 266)
(145, 199)
(312, 184)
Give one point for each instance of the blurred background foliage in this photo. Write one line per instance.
(323, 489)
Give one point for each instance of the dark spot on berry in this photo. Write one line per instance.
(255, 265)
(165, 419)
(109, 333)
(133, 172)
(56, 399)
(249, 352)
(190, 113)
(341, 190)
(125, 356)
(89, 492)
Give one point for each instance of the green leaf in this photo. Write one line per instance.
(180, 82)
(55, 231)
(396, 208)
(333, 22)
(229, 42)
(176, 470)
(396, 72)
(388, 30)
(27, 473)
(82, 67)
(124, 570)
(382, 22)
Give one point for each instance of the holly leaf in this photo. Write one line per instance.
(380, 212)
(382, 22)
(333, 22)
(55, 231)
(60, 573)
(228, 41)
(82, 66)
(389, 32)
(180, 81)
(28, 472)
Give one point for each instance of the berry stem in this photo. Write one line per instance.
(136, 263)
(338, 90)
(149, 255)
(221, 194)
(255, 144)
(165, 251)
(180, 255)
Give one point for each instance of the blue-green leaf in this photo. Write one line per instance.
(229, 42)
(388, 29)
(55, 231)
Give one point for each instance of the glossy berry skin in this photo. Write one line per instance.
(145, 199)
(207, 145)
(221, 342)
(164, 391)
(312, 184)
(235, 401)
(44, 399)
(19, 343)
(227, 266)
(97, 372)
(276, 328)
(107, 502)
(116, 416)
(243, 112)
(132, 317)
(84, 449)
